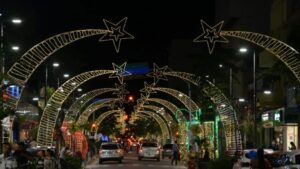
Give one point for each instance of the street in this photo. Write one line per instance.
(131, 161)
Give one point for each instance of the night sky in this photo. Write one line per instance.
(153, 25)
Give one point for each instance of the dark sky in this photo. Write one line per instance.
(153, 25)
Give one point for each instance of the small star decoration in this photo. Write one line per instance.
(120, 72)
(148, 89)
(117, 33)
(158, 73)
(121, 91)
(211, 35)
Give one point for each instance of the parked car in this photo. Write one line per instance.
(149, 150)
(111, 152)
(248, 154)
(167, 151)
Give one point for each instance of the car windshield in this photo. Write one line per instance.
(149, 145)
(168, 146)
(109, 146)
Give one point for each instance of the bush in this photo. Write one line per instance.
(223, 162)
(74, 162)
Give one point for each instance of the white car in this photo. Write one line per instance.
(149, 150)
(110, 152)
(246, 161)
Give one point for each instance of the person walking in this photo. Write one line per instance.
(175, 149)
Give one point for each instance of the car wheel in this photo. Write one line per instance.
(158, 159)
(162, 156)
(140, 158)
(120, 161)
(100, 161)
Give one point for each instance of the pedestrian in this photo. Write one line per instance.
(40, 161)
(237, 164)
(63, 157)
(175, 149)
(260, 162)
(7, 160)
(293, 146)
(22, 156)
(49, 160)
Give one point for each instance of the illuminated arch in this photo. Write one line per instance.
(281, 50)
(84, 116)
(163, 125)
(22, 70)
(167, 116)
(74, 109)
(173, 108)
(166, 131)
(227, 114)
(53, 107)
(183, 98)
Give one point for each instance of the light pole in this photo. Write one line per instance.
(2, 60)
(244, 50)
(55, 65)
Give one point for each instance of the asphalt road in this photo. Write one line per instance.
(131, 162)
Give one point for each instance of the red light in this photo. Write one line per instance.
(94, 125)
(130, 98)
(126, 117)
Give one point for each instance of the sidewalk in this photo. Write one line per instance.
(95, 158)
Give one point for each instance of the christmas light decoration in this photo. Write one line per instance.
(158, 73)
(211, 35)
(119, 72)
(51, 111)
(84, 116)
(79, 103)
(117, 33)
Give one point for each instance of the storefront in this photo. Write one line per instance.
(277, 132)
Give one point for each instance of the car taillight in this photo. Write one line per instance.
(101, 152)
(141, 150)
(119, 151)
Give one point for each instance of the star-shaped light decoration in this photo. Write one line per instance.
(211, 35)
(120, 72)
(113, 105)
(121, 91)
(117, 33)
(158, 73)
(142, 100)
(148, 89)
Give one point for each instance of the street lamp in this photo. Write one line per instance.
(245, 50)
(66, 75)
(55, 65)
(267, 92)
(15, 48)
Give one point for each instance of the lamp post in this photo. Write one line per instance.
(55, 65)
(244, 50)
(2, 60)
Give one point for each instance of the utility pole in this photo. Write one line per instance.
(254, 100)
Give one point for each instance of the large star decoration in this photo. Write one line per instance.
(158, 73)
(148, 89)
(116, 33)
(119, 72)
(211, 35)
